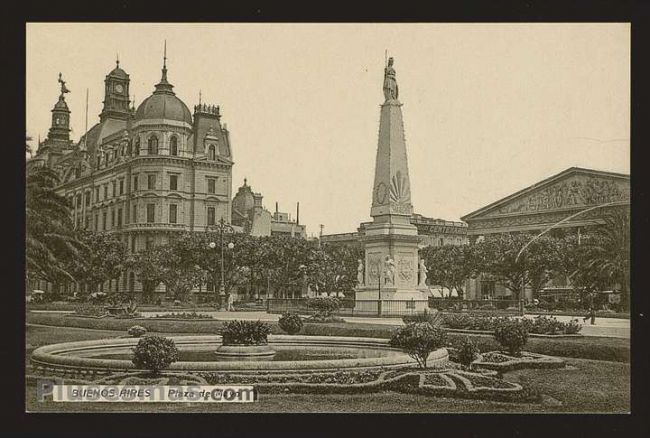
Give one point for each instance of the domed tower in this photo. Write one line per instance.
(116, 95)
(60, 128)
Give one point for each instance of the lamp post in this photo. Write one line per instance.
(222, 227)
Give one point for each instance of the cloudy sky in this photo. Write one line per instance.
(488, 108)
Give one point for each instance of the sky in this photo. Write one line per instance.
(488, 108)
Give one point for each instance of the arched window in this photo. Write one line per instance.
(173, 145)
(211, 152)
(152, 146)
(137, 146)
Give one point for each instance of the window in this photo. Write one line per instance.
(96, 222)
(87, 201)
(135, 214)
(132, 246)
(112, 218)
(96, 194)
(151, 181)
(151, 210)
(211, 152)
(121, 187)
(173, 182)
(104, 221)
(105, 191)
(119, 217)
(148, 244)
(211, 185)
(152, 145)
(137, 146)
(135, 183)
(86, 221)
(210, 215)
(99, 160)
(113, 192)
(172, 213)
(129, 147)
(173, 146)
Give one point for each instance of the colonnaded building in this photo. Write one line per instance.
(541, 205)
(146, 173)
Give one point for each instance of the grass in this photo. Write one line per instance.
(586, 386)
(586, 347)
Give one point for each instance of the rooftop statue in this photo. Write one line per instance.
(390, 83)
(64, 89)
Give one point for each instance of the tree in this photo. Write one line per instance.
(333, 268)
(147, 265)
(51, 245)
(450, 265)
(607, 254)
(102, 259)
(287, 261)
(497, 255)
(178, 270)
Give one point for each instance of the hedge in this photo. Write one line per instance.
(586, 347)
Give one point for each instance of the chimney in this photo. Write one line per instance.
(297, 213)
(276, 208)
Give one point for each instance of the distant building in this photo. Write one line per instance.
(543, 204)
(249, 214)
(432, 232)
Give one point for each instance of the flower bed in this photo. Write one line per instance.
(502, 362)
(540, 325)
(182, 315)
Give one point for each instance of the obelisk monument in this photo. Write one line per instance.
(391, 241)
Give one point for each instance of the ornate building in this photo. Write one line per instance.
(142, 173)
(546, 203)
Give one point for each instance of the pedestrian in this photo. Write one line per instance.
(592, 311)
(230, 307)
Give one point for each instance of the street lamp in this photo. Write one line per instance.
(222, 227)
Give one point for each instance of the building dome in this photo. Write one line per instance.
(244, 199)
(163, 104)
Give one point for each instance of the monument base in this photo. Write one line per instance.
(394, 301)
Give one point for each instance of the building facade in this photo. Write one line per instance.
(432, 232)
(542, 205)
(142, 173)
(249, 214)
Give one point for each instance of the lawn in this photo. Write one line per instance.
(585, 386)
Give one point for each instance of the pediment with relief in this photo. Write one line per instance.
(574, 190)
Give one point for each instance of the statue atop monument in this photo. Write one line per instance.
(390, 83)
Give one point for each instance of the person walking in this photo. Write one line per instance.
(592, 311)
(230, 301)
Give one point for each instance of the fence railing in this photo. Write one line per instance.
(383, 308)
(514, 307)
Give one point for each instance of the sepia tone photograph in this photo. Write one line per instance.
(327, 218)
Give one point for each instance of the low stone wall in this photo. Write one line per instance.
(68, 357)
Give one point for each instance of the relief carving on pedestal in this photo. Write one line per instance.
(406, 269)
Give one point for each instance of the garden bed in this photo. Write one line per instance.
(502, 362)
(585, 347)
(531, 335)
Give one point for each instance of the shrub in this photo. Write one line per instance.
(434, 318)
(467, 351)
(290, 323)
(245, 332)
(512, 334)
(419, 340)
(154, 353)
(90, 310)
(136, 331)
(324, 306)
